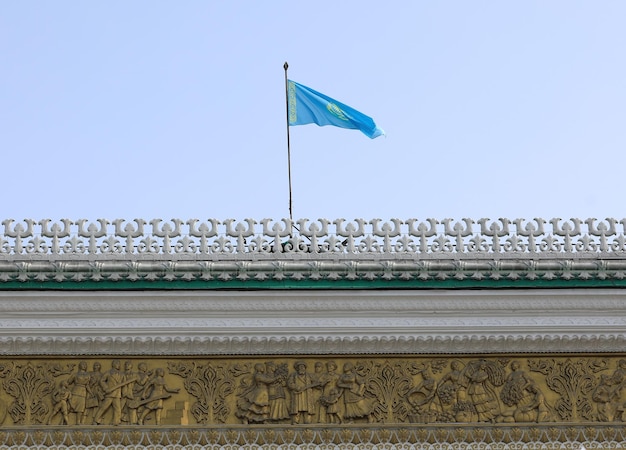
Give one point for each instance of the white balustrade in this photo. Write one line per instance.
(240, 239)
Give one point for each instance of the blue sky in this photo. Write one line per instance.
(153, 109)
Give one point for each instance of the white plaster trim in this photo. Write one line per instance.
(311, 322)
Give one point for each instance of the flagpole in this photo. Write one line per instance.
(286, 66)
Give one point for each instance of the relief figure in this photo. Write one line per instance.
(450, 391)
(300, 385)
(80, 388)
(253, 405)
(141, 380)
(534, 408)
(619, 380)
(482, 378)
(61, 403)
(155, 392)
(129, 414)
(355, 403)
(111, 383)
(422, 398)
(606, 396)
(95, 393)
(517, 395)
(277, 396)
(316, 392)
(329, 400)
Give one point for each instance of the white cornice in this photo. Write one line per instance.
(312, 322)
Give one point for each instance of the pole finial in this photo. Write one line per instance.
(285, 66)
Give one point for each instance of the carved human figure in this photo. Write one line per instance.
(141, 379)
(316, 392)
(605, 395)
(534, 410)
(154, 393)
(619, 376)
(422, 396)
(483, 376)
(254, 404)
(449, 387)
(330, 401)
(328, 383)
(514, 390)
(619, 380)
(300, 385)
(61, 403)
(111, 383)
(95, 394)
(355, 403)
(129, 413)
(79, 383)
(277, 396)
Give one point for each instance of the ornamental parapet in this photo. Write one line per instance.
(214, 239)
(409, 253)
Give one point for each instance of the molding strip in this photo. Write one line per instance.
(306, 322)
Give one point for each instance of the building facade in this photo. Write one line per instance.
(421, 334)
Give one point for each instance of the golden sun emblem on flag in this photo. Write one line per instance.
(336, 111)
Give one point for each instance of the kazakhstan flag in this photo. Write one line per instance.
(309, 106)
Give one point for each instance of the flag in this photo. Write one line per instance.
(309, 106)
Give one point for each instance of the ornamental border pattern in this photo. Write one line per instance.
(471, 437)
(183, 345)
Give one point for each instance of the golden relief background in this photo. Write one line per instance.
(333, 391)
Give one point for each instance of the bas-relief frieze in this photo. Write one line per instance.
(484, 390)
(411, 402)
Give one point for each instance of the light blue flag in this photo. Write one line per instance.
(309, 106)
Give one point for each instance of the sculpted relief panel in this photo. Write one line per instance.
(313, 391)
